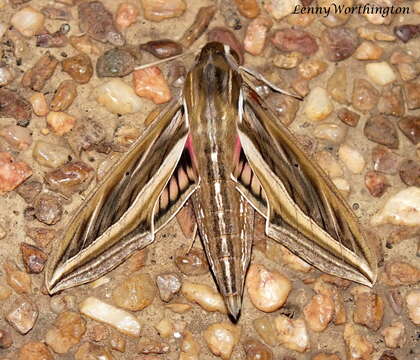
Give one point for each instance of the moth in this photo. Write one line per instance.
(220, 146)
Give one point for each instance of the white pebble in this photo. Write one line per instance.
(205, 296)
(352, 158)
(394, 335)
(50, 155)
(413, 305)
(268, 290)
(28, 21)
(380, 73)
(221, 338)
(342, 185)
(117, 97)
(292, 333)
(120, 319)
(402, 208)
(333, 133)
(280, 8)
(368, 50)
(328, 163)
(318, 105)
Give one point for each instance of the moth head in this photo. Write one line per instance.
(214, 50)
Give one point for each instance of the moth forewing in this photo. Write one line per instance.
(305, 211)
(118, 218)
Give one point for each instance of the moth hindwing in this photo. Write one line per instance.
(221, 146)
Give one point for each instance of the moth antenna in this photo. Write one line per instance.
(144, 66)
(273, 87)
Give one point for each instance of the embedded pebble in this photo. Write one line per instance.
(37, 76)
(12, 172)
(392, 101)
(282, 255)
(34, 259)
(85, 135)
(368, 50)
(399, 273)
(61, 303)
(193, 262)
(50, 155)
(408, 71)
(342, 185)
(295, 40)
(57, 39)
(64, 96)
(79, 67)
(376, 183)
(151, 84)
(381, 130)
(19, 137)
(324, 356)
(84, 44)
(22, 315)
(406, 32)
(311, 68)
(384, 160)
(162, 49)
(117, 342)
(126, 15)
(268, 290)
(41, 235)
(60, 122)
(318, 106)
(165, 328)
(301, 86)
(319, 312)
(48, 209)
(150, 346)
(348, 117)
(135, 293)
(67, 331)
(358, 346)
(403, 208)
(201, 22)
(56, 13)
(205, 296)
(265, 328)
(120, 319)
(7, 75)
(3, 234)
(322, 287)
(330, 132)
(97, 22)
(6, 339)
(380, 73)
(190, 348)
(98, 333)
(158, 10)
(394, 335)
(39, 104)
(410, 127)
(369, 308)
(413, 306)
(15, 106)
(285, 107)
(365, 97)
(125, 136)
(292, 334)
(5, 292)
(248, 8)
(410, 172)
(256, 35)
(328, 163)
(256, 350)
(118, 97)
(28, 21)
(88, 351)
(338, 18)
(412, 94)
(35, 351)
(338, 43)
(168, 285)
(337, 85)
(221, 338)
(115, 63)
(280, 9)
(226, 36)
(178, 308)
(288, 60)
(70, 178)
(352, 158)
